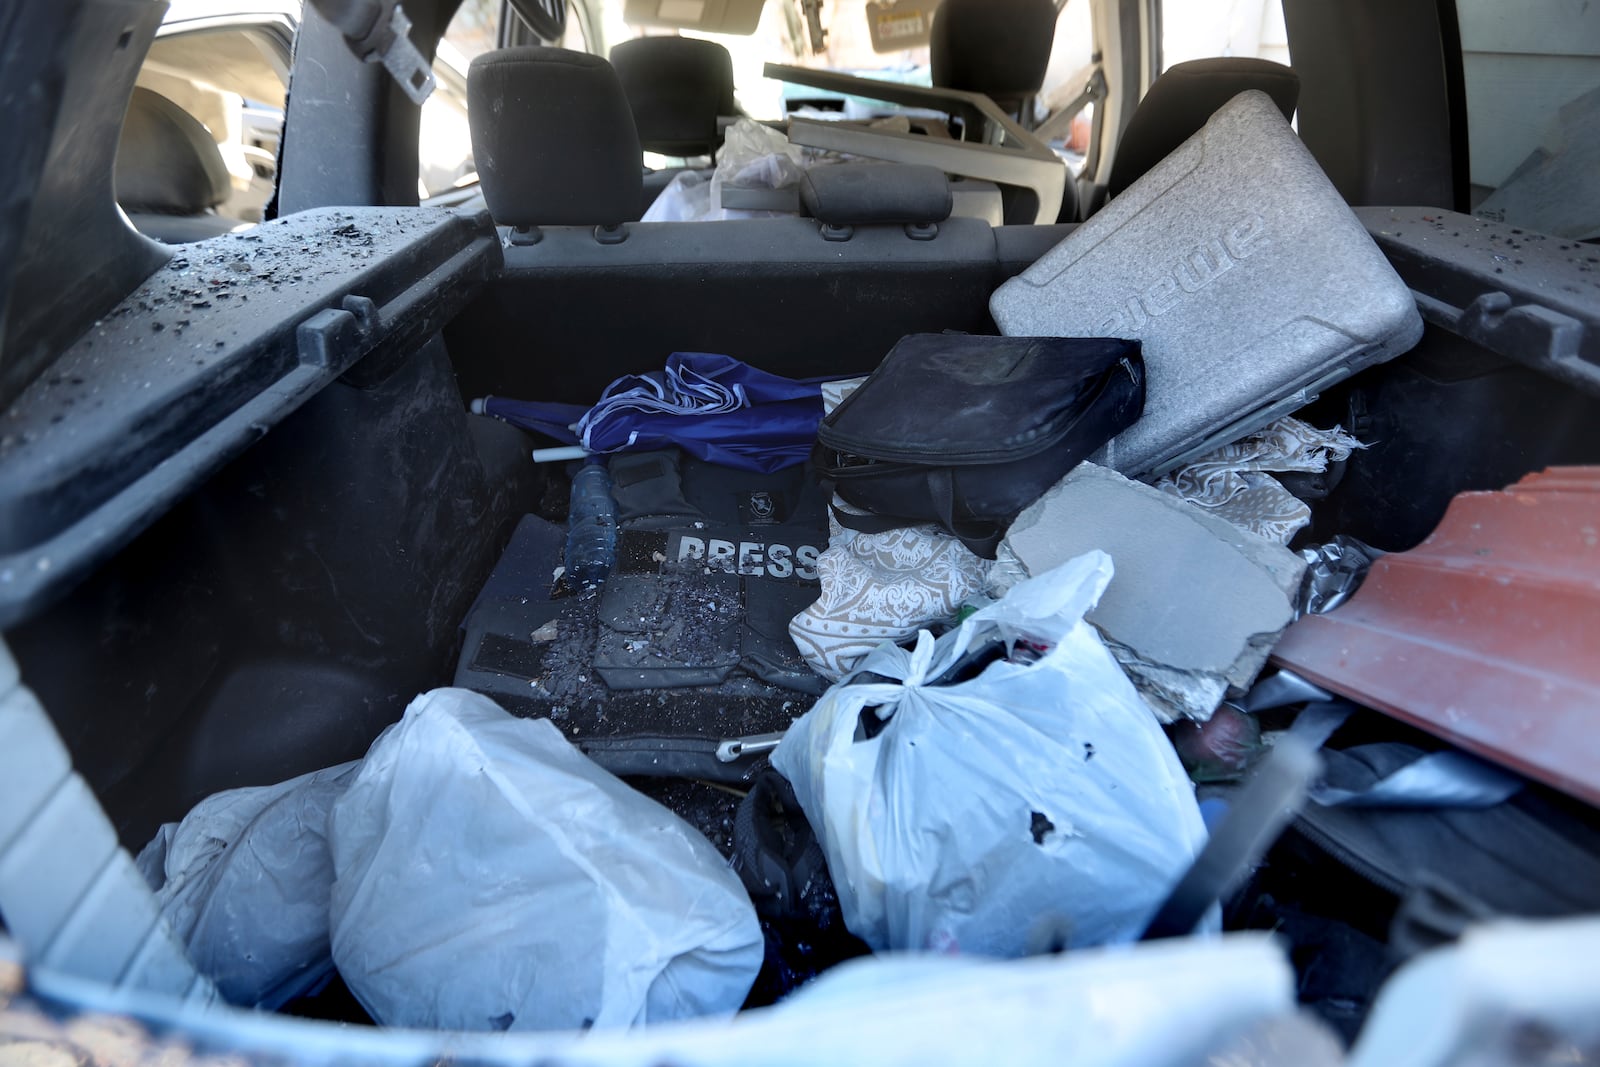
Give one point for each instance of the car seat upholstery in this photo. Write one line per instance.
(553, 138)
(575, 308)
(677, 87)
(1183, 98)
(1000, 48)
(169, 172)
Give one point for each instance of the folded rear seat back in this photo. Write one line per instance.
(1250, 282)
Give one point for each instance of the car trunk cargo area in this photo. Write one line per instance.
(312, 527)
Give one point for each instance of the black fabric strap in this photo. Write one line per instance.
(980, 536)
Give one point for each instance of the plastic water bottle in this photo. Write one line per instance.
(592, 527)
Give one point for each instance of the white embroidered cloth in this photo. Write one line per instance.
(1233, 482)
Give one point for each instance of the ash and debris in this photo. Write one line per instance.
(569, 690)
(567, 678)
(657, 622)
(211, 297)
(706, 807)
(1553, 265)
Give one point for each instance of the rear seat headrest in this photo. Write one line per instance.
(167, 163)
(677, 88)
(1181, 101)
(997, 47)
(851, 194)
(553, 138)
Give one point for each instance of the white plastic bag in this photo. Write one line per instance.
(244, 880)
(753, 156)
(1037, 806)
(492, 877)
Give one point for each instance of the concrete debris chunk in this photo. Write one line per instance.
(1196, 604)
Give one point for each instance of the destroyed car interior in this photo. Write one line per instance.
(871, 530)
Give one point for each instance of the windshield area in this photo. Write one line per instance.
(863, 38)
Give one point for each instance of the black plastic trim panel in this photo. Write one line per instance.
(1522, 295)
(204, 358)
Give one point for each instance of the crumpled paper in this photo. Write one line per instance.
(1235, 482)
(879, 587)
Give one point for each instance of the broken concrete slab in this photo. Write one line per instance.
(1196, 603)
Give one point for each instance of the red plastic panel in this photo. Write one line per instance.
(1487, 634)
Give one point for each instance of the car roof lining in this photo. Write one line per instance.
(230, 59)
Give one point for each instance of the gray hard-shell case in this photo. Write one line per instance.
(1250, 282)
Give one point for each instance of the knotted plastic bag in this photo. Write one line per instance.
(1037, 806)
(492, 877)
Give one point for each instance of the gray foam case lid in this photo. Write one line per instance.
(1238, 265)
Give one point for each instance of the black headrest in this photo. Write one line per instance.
(1181, 101)
(553, 138)
(166, 161)
(677, 87)
(849, 194)
(997, 47)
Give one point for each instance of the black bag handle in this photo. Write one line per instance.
(981, 537)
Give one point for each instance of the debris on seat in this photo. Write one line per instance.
(757, 176)
(1235, 481)
(492, 877)
(999, 791)
(1196, 603)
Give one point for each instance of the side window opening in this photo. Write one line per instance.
(1206, 29)
(1072, 62)
(444, 142)
(1532, 71)
(232, 80)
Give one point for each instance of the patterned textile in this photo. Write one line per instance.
(879, 587)
(1233, 483)
(882, 587)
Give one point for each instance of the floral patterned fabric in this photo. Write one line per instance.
(1234, 481)
(882, 587)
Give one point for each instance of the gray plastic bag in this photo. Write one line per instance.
(244, 880)
(492, 877)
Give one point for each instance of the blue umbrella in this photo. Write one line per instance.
(713, 407)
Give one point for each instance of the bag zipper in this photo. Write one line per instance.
(844, 443)
(1348, 859)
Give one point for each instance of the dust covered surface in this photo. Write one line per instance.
(556, 678)
(708, 808)
(211, 303)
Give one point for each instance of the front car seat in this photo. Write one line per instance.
(1000, 48)
(1180, 102)
(170, 175)
(677, 88)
